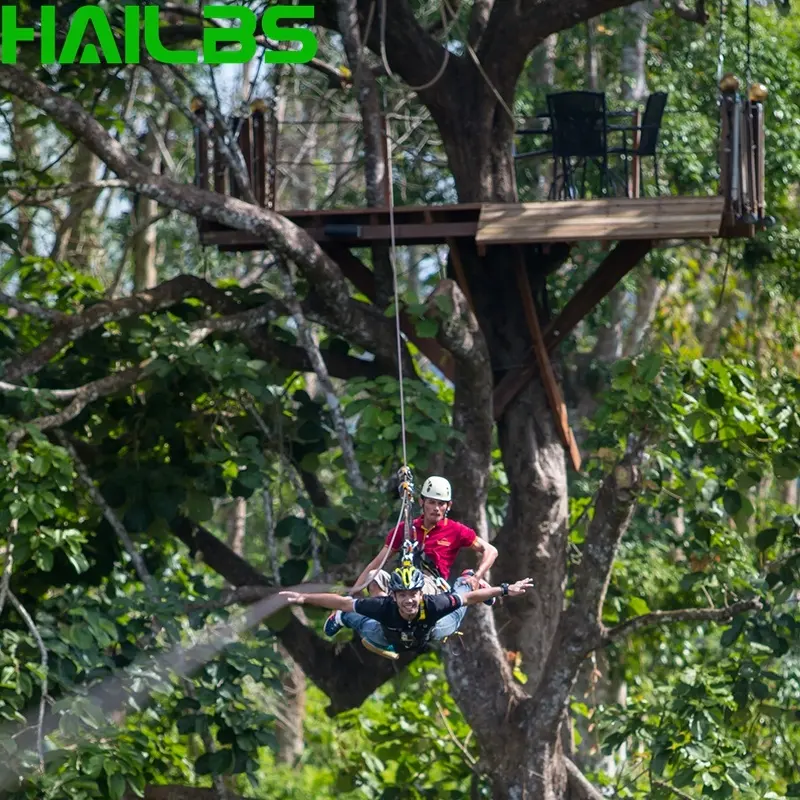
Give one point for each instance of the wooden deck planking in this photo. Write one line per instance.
(603, 219)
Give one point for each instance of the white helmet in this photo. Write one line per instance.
(437, 489)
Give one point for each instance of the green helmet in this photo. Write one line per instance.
(406, 578)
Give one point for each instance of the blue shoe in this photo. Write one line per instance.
(482, 585)
(333, 624)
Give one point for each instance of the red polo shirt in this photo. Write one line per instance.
(441, 543)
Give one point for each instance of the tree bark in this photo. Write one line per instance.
(71, 234)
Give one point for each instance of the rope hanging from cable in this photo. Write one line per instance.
(406, 487)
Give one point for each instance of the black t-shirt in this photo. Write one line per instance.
(408, 634)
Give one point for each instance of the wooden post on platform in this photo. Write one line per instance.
(259, 168)
(635, 161)
(201, 176)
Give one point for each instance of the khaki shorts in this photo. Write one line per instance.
(429, 587)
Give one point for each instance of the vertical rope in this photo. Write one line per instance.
(747, 34)
(721, 52)
(393, 259)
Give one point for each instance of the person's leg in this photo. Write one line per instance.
(370, 632)
(365, 627)
(448, 625)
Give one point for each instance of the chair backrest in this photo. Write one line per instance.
(651, 123)
(578, 121)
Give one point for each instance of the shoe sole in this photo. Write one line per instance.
(379, 651)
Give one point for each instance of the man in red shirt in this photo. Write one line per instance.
(439, 540)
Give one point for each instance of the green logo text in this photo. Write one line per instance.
(92, 39)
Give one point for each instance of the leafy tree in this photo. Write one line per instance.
(131, 420)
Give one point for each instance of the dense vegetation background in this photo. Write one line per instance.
(183, 429)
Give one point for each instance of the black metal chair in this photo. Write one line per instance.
(579, 124)
(649, 131)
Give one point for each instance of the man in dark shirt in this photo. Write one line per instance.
(405, 619)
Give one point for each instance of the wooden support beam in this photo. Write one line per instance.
(363, 279)
(557, 404)
(616, 265)
(458, 266)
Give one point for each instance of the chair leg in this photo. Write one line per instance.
(655, 170)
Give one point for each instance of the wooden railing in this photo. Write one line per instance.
(257, 140)
(741, 156)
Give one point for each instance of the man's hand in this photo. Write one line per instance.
(293, 598)
(520, 587)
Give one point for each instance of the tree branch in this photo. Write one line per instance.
(580, 788)
(679, 615)
(218, 133)
(479, 19)
(670, 788)
(579, 626)
(347, 674)
(514, 29)
(232, 597)
(173, 792)
(108, 512)
(31, 309)
(697, 14)
(86, 394)
(361, 324)
(613, 511)
(70, 328)
(62, 190)
(321, 370)
(412, 53)
(31, 625)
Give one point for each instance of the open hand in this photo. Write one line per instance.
(520, 587)
(293, 598)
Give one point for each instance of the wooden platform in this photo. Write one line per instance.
(365, 226)
(605, 219)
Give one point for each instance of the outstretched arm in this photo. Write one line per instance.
(480, 595)
(373, 565)
(489, 554)
(332, 601)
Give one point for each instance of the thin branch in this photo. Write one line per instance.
(86, 394)
(230, 150)
(318, 362)
(781, 559)
(242, 594)
(61, 190)
(31, 309)
(8, 565)
(360, 323)
(240, 321)
(58, 394)
(680, 615)
(579, 786)
(108, 512)
(468, 757)
(140, 228)
(22, 611)
(670, 788)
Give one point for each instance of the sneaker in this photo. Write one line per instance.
(387, 652)
(333, 624)
(482, 584)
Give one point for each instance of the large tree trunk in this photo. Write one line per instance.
(522, 762)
